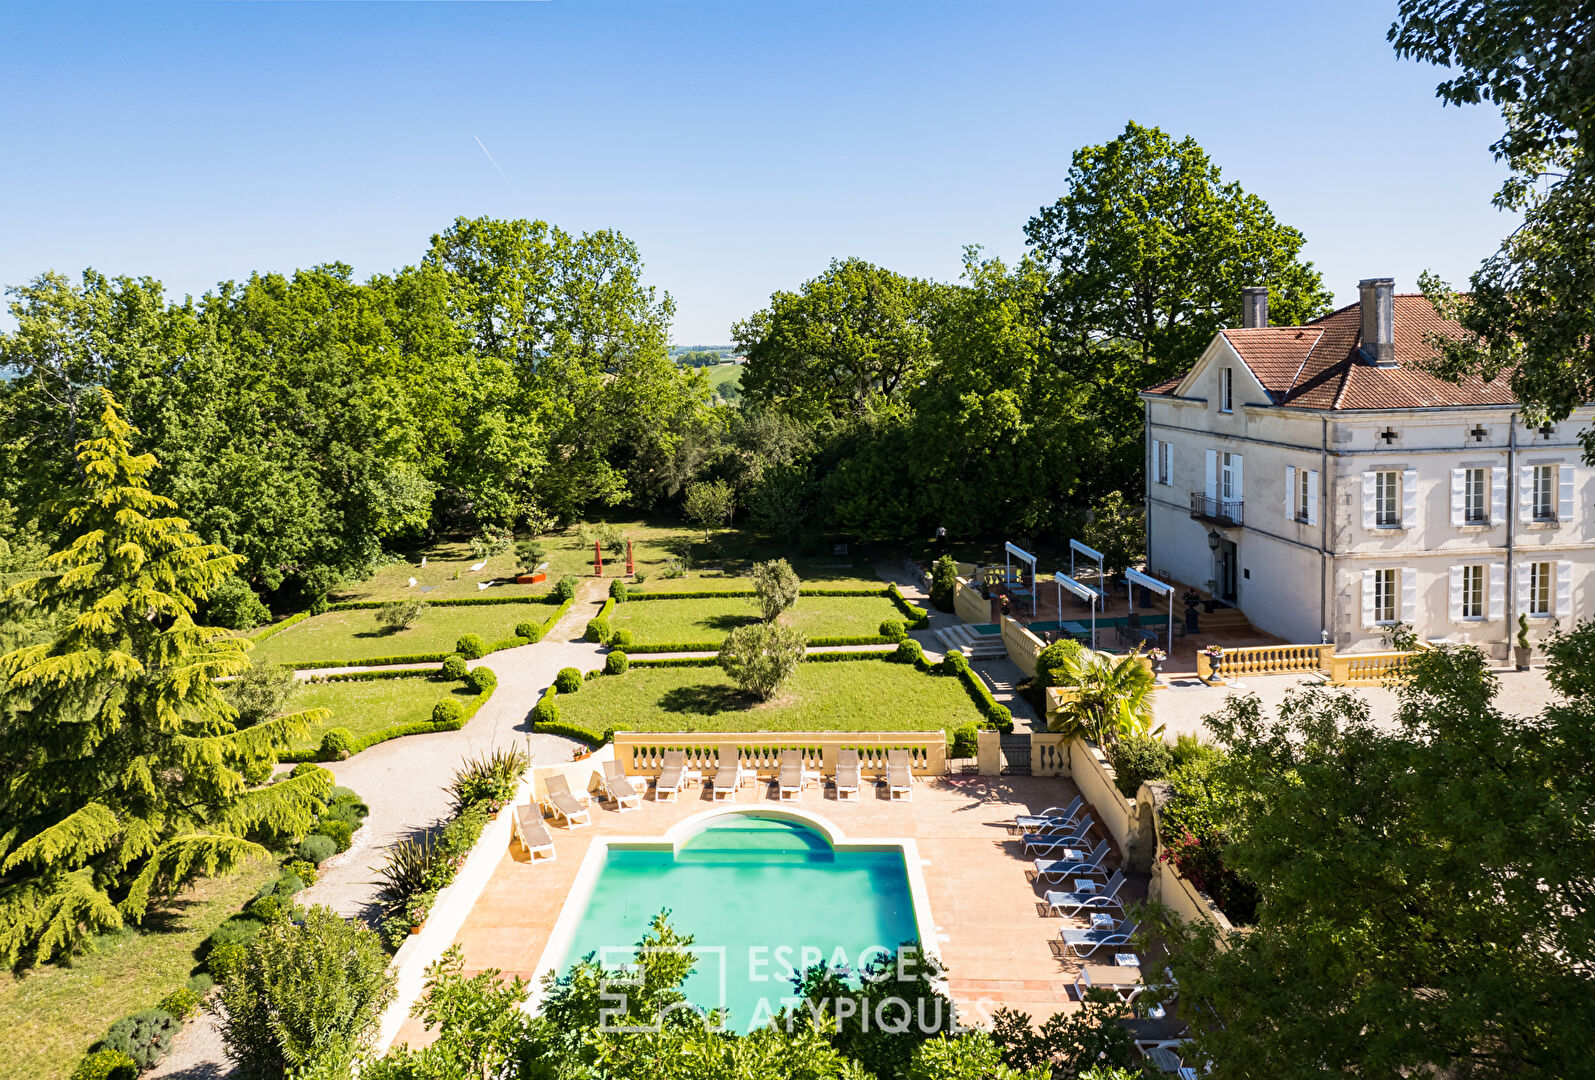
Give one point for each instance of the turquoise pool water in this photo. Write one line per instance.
(763, 896)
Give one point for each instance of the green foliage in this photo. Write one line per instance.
(454, 667)
(759, 658)
(943, 582)
(1059, 664)
(1111, 695)
(471, 646)
(124, 769)
(482, 680)
(1068, 1044)
(1117, 528)
(568, 681)
(965, 741)
(973, 1056)
(1138, 759)
(1523, 631)
(317, 849)
(146, 1037)
(482, 1029)
(708, 504)
(492, 540)
(259, 692)
(622, 640)
(489, 778)
(106, 1065)
(893, 629)
(565, 588)
(546, 711)
(954, 662)
(1460, 849)
(617, 590)
(304, 994)
(616, 663)
(399, 615)
(340, 831)
(908, 651)
(233, 604)
(336, 744)
(406, 870)
(775, 587)
(181, 1003)
(531, 631)
(258, 770)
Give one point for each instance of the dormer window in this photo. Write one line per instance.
(1226, 390)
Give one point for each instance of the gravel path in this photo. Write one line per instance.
(404, 782)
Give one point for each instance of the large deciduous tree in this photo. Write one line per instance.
(121, 770)
(1425, 888)
(1531, 305)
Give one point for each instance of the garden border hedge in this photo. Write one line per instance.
(415, 658)
(397, 731)
(455, 601)
(918, 618)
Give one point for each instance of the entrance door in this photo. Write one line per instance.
(1228, 557)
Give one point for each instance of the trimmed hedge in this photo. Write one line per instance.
(462, 601)
(546, 713)
(398, 731)
(571, 731)
(719, 594)
(278, 627)
(616, 663)
(598, 628)
(372, 661)
(379, 674)
(996, 715)
(420, 658)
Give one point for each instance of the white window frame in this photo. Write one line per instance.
(1229, 477)
(1387, 499)
(1164, 463)
(1542, 589)
(1474, 591)
(1544, 493)
(1475, 496)
(1304, 494)
(1387, 596)
(1226, 390)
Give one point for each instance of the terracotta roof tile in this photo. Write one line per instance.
(1321, 366)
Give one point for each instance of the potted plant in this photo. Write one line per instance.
(1157, 656)
(1524, 651)
(1215, 656)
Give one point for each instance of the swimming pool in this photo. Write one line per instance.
(765, 894)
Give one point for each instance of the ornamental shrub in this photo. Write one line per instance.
(1059, 664)
(258, 770)
(260, 692)
(317, 849)
(106, 1065)
(340, 831)
(200, 983)
(759, 658)
(448, 711)
(617, 590)
(621, 639)
(568, 681)
(1137, 759)
(598, 631)
(398, 615)
(303, 870)
(616, 663)
(146, 1037)
(775, 585)
(954, 663)
(565, 588)
(345, 811)
(908, 652)
(336, 744)
(1000, 717)
(471, 646)
(965, 741)
(490, 779)
(943, 581)
(234, 605)
(894, 629)
(546, 711)
(531, 631)
(454, 667)
(482, 679)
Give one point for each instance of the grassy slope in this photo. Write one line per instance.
(355, 635)
(710, 619)
(853, 695)
(364, 707)
(443, 561)
(51, 1015)
(721, 374)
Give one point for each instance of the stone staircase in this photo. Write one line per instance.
(974, 645)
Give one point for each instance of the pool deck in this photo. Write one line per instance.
(996, 942)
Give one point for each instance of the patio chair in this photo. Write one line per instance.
(529, 829)
(618, 786)
(899, 775)
(1123, 981)
(672, 775)
(728, 773)
(565, 804)
(1073, 903)
(1090, 866)
(848, 774)
(1149, 1032)
(1060, 816)
(1051, 843)
(789, 785)
(1085, 942)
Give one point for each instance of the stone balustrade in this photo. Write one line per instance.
(642, 753)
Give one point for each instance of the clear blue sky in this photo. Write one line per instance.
(742, 145)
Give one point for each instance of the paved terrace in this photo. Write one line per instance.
(996, 941)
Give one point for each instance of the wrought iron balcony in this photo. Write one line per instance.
(1219, 511)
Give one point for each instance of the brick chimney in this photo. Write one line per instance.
(1378, 309)
(1254, 306)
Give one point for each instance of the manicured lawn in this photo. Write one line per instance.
(375, 704)
(446, 575)
(711, 618)
(355, 635)
(52, 1014)
(850, 695)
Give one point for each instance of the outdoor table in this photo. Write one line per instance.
(1084, 885)
(1126, 959)
(1101, 920)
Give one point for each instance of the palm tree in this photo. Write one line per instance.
(1112, 696)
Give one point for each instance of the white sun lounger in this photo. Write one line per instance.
(531, 832)
(729, 774)
(672, 775)
(1086, 942)
(899, 775)
(1123, 981)
(1073, 903)
(1052, 818)
(1091, 865)
(565, 804)
(789, 784)
(848, 774)
(618, 786)
(1047, 843)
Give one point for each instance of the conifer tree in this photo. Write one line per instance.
(120, 765)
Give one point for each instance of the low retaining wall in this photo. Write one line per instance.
(1023, 646)
(968, 604)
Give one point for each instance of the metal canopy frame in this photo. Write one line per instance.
(1084, 592)
(1009, 552)
(1134, 578)
(1096, 556)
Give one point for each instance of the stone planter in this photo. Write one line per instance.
(1522, 656)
